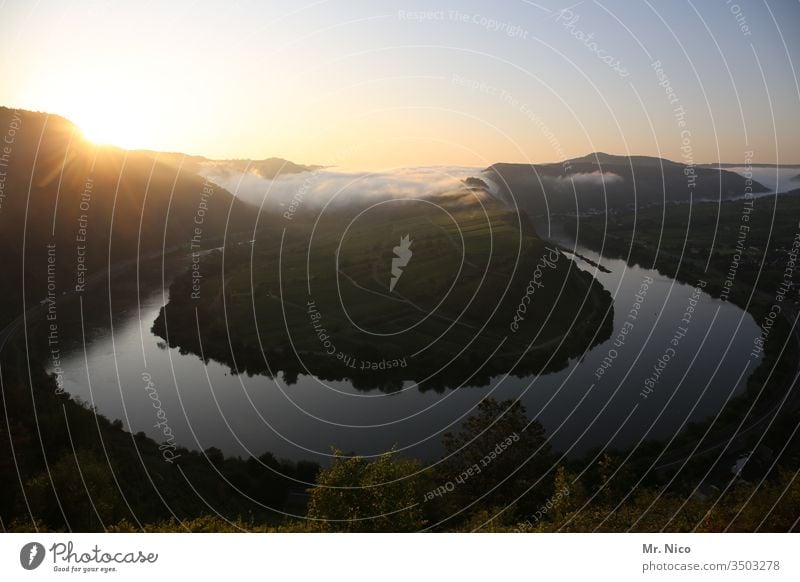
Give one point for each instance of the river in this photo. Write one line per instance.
(664, 365)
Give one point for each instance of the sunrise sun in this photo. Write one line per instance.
(108, 126)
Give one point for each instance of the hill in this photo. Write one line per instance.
(70, 208)
(599, 182)
(267, 168)
(332, 298)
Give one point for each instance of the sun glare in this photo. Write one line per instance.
(113, 115)
(106, 127)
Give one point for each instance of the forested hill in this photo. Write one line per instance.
(599, 182)
(69, 208)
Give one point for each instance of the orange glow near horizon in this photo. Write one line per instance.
(315, 85)
(109, 129)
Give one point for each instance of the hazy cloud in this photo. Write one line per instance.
(318, 187)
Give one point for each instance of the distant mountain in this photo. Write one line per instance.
(604, 159)
(740, 164)
(601, 181)
(94, 206)
(268, 168)
(796, 178)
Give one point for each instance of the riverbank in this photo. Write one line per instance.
(743, 250)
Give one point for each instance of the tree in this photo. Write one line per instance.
(79, 493)
(509, 456)
(358, 495)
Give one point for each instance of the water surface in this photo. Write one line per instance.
(206, 406)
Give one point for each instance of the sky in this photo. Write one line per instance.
(367, 85)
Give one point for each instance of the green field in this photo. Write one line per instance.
(316, 297)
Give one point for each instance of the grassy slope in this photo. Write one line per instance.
(266, 297)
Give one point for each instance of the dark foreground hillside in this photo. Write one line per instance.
(70, 208)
